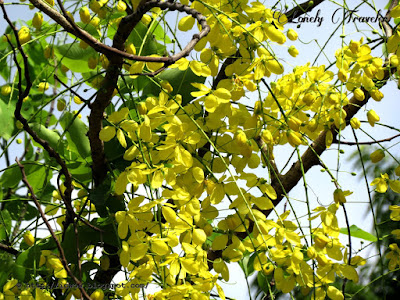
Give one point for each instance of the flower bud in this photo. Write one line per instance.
(292, 34)
(121, 6)
(43, 86)
(97, 295)
(84, 15)
(37, 20)
(372, 117)
(24, 35)
(342, 75)
(267, 137)
(397, 171)
(376, 94)
(6, 90)
(293, 51)
(104, 262)
(355, 123)
(241, 138)
(354, 46)
(48, 52)
(29, 238)
(377, 156)
(311, 253)
(309, 98)
(359, 94)
(294, 123)
(294, 138)
(321, 240)
(394, 60)
(61, 104)
(83, 45)
(92, 63)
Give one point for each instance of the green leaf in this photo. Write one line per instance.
(359, 233)
(6, 267)
(89, 28)
(139, 36)
(76, 134)
(5, 224)
(25, 264)
(179, 80)
(115, 203)
(247, 264)
(99, 196)
(46, 134)
(17, 206)
(6, 120)
(38, 176)
(395, 186)
(4, 67)
(74, 57)
(89, 236)
(80, 171)
(11, 177)
(262, 282)
(159, 33)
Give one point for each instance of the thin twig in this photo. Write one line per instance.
(71, 27)
(59, 247)
(22, 93)
(366, 143)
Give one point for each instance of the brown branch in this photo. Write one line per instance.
(301, 9)
(273, 169)
(385, 23)
(285, 183)
(59, 247)
(9, 249)
(68, 88)
(311, 156)
(104, 96)
(22, 93)
(366, 143)
(71, 27)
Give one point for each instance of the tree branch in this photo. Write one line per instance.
(22, 93)
(104, 96)
(301, 9)
(9, 249)
(59, 247)
(72, 28)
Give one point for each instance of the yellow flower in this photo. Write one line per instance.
(395, 212)
(393, 256)
(381, 183)
(24, 35)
